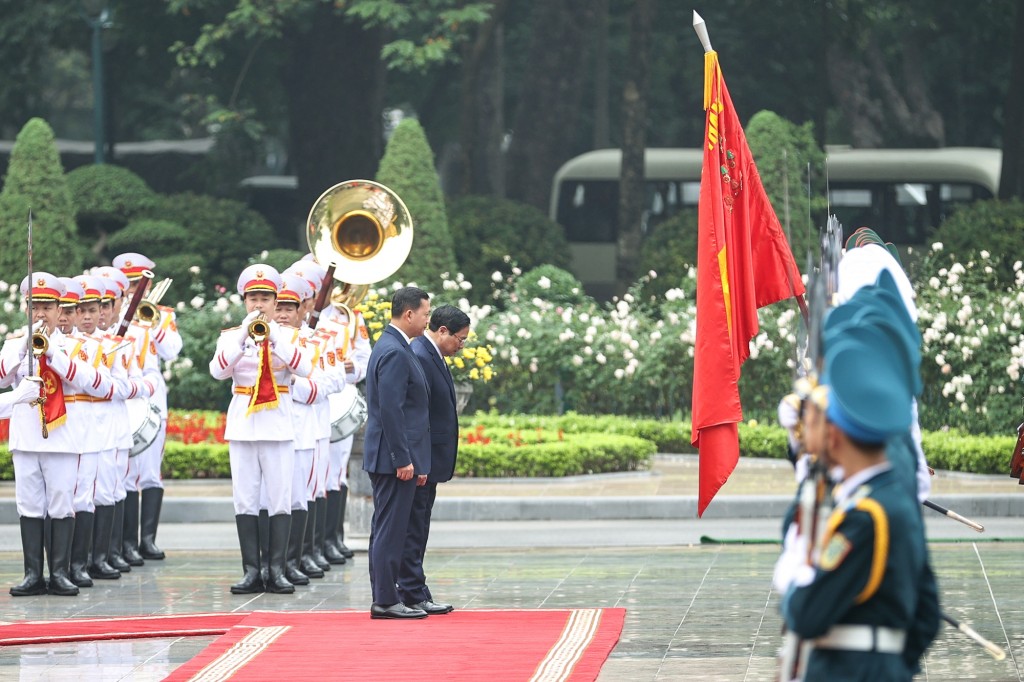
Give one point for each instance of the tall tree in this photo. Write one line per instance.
(35, 182)
(632, 194)
(1011, 180)
(548, 108)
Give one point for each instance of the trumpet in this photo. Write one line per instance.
(40, 343)
(148, 312)
(259, 328)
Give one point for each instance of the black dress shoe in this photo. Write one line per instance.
(396, 611)
(432, 609)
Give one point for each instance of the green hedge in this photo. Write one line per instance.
(594, 444)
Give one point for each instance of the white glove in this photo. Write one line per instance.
(788, 415)
(803, 467)
(243, 328)
(275, 332)
(791, 567)
(26, 391)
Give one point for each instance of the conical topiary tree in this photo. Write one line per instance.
(35, 180)
(408, 169)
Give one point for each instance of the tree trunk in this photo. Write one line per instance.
(602, 133)
(335, 85)
(482, 110)
(1011, 178)
(547, 115)
(632, 197)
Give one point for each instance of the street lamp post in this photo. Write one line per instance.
(98, 17)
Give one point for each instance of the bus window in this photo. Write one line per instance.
(588, 210)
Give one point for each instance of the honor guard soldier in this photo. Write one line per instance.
(352, 346)
(88, 416)
(129, 384)
(155, 341)
(867, 607)
(260, 359)
(46, 468)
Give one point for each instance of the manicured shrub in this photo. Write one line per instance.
(488, 232)
(35, 182)
(408, 168)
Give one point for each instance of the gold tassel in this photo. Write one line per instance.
(710, 72)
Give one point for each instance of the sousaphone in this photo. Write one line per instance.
(362, 228)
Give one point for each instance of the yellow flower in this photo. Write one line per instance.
(488, 373)
(480, 362)
(368, 314)
(474, 374)
(457, 361)
(469, 353)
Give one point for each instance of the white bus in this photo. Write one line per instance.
(903, 193)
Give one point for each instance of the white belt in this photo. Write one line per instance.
(863, 638)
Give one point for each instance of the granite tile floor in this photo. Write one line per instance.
(698, 612)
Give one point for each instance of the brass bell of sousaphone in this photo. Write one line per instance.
(364, 230)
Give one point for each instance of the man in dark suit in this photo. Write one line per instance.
(396, 448)
(446, 334)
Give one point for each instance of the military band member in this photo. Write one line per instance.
(352, 342)
(306, 394)
(129, 383)
(45, 469)
(259, 427)
(155, 342)
(94, 425)
(868, 605)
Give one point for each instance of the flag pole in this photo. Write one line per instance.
(702, 31)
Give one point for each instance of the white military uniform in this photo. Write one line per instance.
(351, 342)
(260, 442)
(45, 469)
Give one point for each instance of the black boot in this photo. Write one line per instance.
(249, 541)
(295, 537)
(61, 534)
(280, 524)
(114, 557)
(99, 568)
(152, 500)
(130, 529)
(307, 565)
(81, 543)
(318, 534)
(32, 549)
(345, 551)
(264, 545)
(331, 551)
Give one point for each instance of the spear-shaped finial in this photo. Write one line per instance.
(702, 31)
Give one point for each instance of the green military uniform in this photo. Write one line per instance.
(869, 605)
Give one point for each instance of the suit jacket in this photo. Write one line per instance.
(444, 419)
(397, 401)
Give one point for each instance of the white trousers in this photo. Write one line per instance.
(337, 475)
(44, 483)
(107, 475)
(120, 473)
(262, 463)
(323, 465)
(85, 484)
(144, 468)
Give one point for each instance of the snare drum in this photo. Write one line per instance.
(144, 422)
(348, 412)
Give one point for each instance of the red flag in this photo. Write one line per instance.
(743, 263)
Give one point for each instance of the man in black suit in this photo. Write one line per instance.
(447, 333)
(396, 448)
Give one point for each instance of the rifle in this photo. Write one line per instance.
(813, 496)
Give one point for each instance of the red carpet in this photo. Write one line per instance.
(88, 629)
(461, 646)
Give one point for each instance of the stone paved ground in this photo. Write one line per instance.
(694, 612)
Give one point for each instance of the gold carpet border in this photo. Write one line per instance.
(576, 636)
